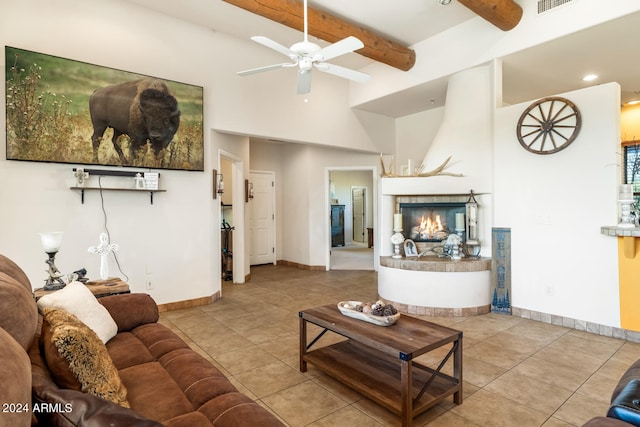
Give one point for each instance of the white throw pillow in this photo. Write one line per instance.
(78, 300)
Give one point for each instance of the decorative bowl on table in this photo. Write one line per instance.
(378, 313)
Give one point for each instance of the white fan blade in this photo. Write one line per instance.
(304, 82)
(346, 45)
(347, 73)
(266, 68)
(274, 45)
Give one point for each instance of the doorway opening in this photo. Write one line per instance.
(232, 227)
(351, 205)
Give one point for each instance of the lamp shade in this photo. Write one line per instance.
(51, 241)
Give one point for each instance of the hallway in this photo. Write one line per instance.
(353, 256)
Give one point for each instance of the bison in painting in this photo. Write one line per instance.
(144, 109)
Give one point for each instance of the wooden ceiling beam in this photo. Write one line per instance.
(331, 29)
(504, 14)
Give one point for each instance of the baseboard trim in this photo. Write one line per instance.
(196, 302)
(302, 266)
(580, 325)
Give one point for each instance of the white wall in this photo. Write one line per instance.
(177, 239)
(555, 205)
(414, 134)
(295, 217)
(465, 133)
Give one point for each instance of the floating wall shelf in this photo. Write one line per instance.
(83, 189)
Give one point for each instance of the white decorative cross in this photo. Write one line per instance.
(104, 248)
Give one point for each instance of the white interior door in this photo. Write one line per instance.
(262, 218)
(358, 207)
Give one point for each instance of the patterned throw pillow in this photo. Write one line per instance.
(74, 344)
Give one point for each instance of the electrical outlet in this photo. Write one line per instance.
(549, 290)
(148, 282)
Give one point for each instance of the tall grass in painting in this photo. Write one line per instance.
(35, 119)
(47, 108)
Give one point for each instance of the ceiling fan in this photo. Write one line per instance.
(306, 55)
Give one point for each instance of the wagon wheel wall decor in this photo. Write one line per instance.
(549, 125)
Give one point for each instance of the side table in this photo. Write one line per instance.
(99, 288)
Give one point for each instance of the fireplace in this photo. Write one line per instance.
(432, 221)
(433, 283)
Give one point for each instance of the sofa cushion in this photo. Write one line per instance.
(626, 406)
(11, 269)
(15, 393)
(237, 410)
(19, 313)
(159, 339)
(605, 422)
(188, 420)
(127, 350)
(87, 357)
(199, 380)
(131, 310)
(153, 393)
(78, 300)
(631, 373)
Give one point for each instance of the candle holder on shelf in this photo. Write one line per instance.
(471, 208)
(625, 198)
(397, 239)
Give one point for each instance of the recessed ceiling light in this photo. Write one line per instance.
(590, 77)
(445, 2)
(636, 102)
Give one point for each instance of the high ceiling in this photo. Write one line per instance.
(554, 67)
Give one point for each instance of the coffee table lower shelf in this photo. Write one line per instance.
(378, 376)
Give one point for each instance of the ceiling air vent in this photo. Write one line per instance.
(547, 5)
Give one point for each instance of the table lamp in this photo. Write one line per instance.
(51, 243)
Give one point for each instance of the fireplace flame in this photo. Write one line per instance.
(428, 227)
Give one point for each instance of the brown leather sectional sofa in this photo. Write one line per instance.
(167, 383)
(625, 402)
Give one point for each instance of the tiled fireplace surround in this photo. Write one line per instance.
(444, 198)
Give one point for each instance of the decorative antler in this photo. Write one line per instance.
(435, 172)
(439, 170)
(384, 170)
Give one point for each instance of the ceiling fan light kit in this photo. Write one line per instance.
(306, 55)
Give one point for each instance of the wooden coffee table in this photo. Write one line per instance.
(378, 361)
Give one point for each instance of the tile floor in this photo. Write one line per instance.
(353, 256)
(517, 372)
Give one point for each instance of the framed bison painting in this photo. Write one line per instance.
(66, 111)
